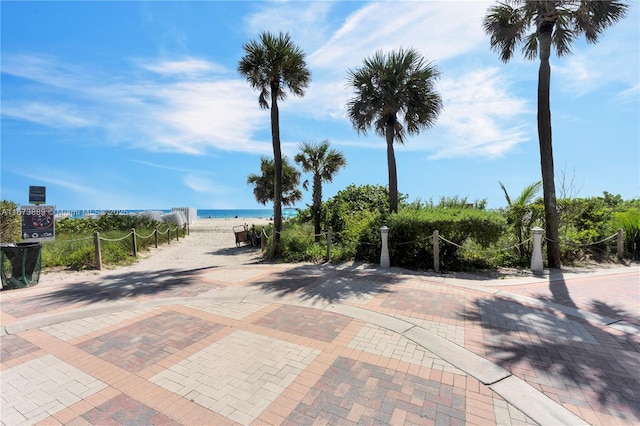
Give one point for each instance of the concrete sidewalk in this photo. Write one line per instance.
(320, 344)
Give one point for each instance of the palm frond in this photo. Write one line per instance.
(506, 194)
(593, 17)
(273, 63)
(505, 25)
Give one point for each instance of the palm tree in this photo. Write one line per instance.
(391, 90)
(263, 187)
(271, 65)
(519, 211)
(538, 25)
(323, 163)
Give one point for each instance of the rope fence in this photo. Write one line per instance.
(134, 236)
(436, 237)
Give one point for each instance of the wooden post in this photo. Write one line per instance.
(133, 240)
(329, 238)
(263, 239)
(169, 235)
(436, 251)
(96, 245)
(177, 233)
(155, 234)
(620, 244)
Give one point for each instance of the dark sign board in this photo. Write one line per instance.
(38, 223)
(37, 194)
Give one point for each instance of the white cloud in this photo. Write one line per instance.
(478, 116)
(58, 115)
(629, 95)
(185, 115)
(306, 22)
(203, 185)
(187, 67)
(439, 30)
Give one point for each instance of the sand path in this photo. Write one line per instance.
(211, 242)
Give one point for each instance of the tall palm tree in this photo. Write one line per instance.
(274, 64)
(538, 25)
(392, 90)
(263, 188)
(323, 163)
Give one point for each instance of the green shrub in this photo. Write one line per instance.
(584, 223)
(353, 203)
(74, 244)
(410, 242)
(76, 226)
(629, 221)
(10, 222)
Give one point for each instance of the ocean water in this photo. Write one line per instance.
(244, 213)
(202, 213)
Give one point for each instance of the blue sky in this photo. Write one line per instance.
(139, 105)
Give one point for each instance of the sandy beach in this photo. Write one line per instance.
(211, 242)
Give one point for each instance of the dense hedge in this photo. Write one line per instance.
(411, 230)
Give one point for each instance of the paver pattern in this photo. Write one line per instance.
(304, 322)
(221, 346)
(125, 410)
(146, 342)
(355, 392)
(14, 347)
(239, 375)
(36, 388)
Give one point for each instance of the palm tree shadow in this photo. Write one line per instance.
(560, 291)
(324, 283)
(233, 251)
(563, 352)
(164, 283)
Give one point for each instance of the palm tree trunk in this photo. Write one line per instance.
(546, 151)
(277, 165)
(393, 174)
(317, 205)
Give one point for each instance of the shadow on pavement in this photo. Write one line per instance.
(125, 286)
(249, 255)
(581, 362)
(326, 283)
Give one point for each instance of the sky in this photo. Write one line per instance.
(139, 105)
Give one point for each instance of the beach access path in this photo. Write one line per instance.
(204, 332)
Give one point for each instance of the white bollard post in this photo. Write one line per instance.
(436, 251)
(536, 258)
(385, 261)
(620, 244)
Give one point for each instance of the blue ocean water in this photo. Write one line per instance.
(202, 213)
(243, 213)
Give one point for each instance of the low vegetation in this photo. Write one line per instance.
(74, 247)
(476, 238)
(473, 237)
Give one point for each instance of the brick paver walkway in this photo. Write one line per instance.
(320, 344)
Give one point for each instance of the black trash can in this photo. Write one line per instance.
(21, 264)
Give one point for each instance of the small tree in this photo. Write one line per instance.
(263, 184)
(323, 163)
(521, 216)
